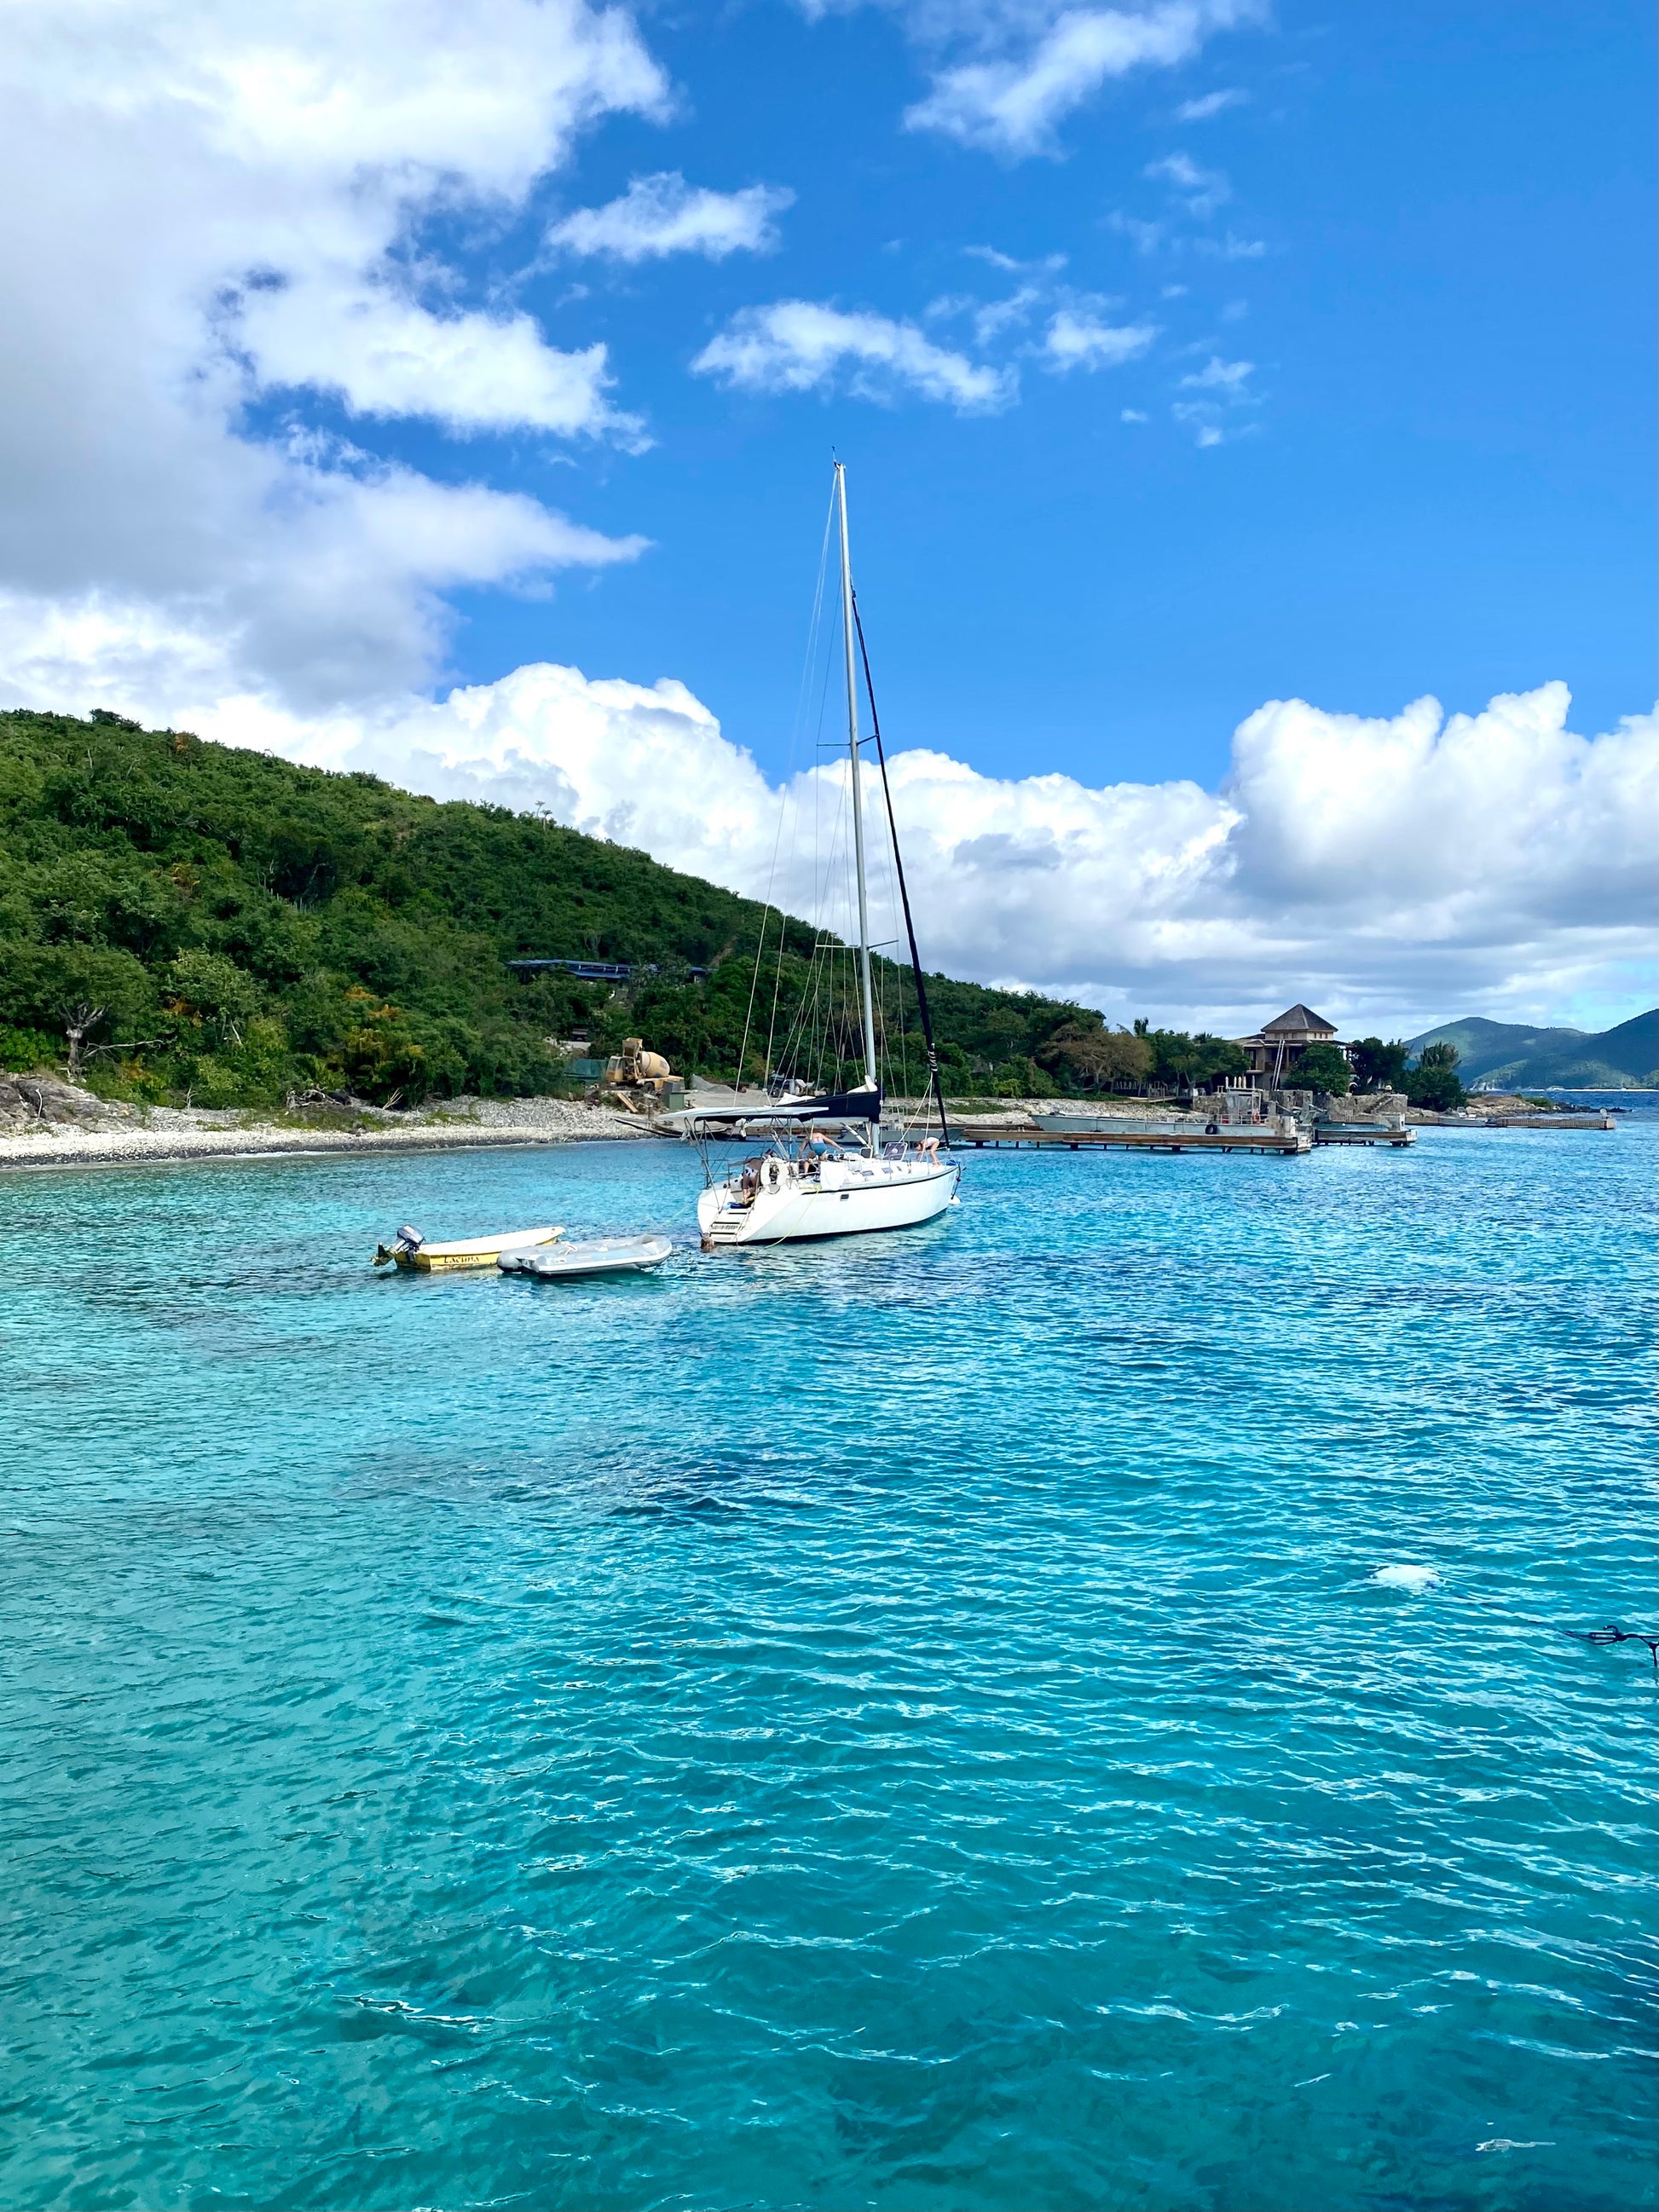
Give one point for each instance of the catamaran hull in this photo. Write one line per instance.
(797, 1210)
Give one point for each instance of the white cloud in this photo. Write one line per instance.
(1391, 870)
(1134, 414)
(1223, 376)
(1000, 315)
(1078, 341)
(662, 215)
(206, 205)
(1210, 103)
(1231, 248)
(1012, 102)
(1201, 191)
(1047, 264)
(1144, 237)
(799, 345)
(386, 356)
(1222, 387)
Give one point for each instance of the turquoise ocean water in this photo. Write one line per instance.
(905, 1723)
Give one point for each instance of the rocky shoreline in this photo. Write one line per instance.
(46, 1122)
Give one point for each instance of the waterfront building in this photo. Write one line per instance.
(1278, 1045)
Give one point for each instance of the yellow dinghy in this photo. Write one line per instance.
(411, 1251)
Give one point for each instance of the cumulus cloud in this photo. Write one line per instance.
(1010, 101)
(662, 215)
(800, 345)
(1080, 341)
(386, 356)
(1390, 871)
(208, 206)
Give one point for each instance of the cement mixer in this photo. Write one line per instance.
(641, 1081)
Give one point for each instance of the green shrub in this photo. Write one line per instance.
(22, 1050)
(1322, 1067)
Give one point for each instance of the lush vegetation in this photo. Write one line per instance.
(1427, 1080)
(181, 921)
(1379, 1066)
(1322, 1067)
(1434, 1082)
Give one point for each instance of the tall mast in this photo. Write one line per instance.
(866, 1001)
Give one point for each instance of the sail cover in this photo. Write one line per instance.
(863, 1104)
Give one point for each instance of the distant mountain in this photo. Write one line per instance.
(1511, 1056)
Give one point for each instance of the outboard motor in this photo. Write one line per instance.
(407, 1242)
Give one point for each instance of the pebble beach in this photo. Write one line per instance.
(48, 1124)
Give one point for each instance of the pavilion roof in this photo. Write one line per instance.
(1299, 1017)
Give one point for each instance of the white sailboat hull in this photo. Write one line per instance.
(839, 1198)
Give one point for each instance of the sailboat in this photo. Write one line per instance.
(809, 1184)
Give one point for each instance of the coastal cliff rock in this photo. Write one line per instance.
(1388, 1106)
(41, 1101)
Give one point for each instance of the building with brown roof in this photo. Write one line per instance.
(1278, 1045)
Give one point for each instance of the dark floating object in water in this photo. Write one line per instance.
(1613, 1634)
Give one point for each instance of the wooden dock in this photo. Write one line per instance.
(1349, 1132)
(1242, 1138)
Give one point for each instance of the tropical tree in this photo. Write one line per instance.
(1192, 1060)
(78, 990)
(1433, 1083)
(1322, 1067)
(1099, 1058)
(1379, 1066)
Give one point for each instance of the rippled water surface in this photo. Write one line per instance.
(908, 1724)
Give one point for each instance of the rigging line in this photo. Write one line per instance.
(777, 977)
(829, 943)
(804, 1025)
(904, 892)
(812, 630)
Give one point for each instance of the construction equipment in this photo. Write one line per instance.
(640, 1082)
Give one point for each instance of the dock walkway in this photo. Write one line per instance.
(1242, 1138)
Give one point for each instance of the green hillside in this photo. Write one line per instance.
(181, 919)
(1510, 1056)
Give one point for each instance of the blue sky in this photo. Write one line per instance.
(1440, 481)
(451, 393)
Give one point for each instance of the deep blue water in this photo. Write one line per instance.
(907, 1723)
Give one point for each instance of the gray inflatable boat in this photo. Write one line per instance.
(601, 1255)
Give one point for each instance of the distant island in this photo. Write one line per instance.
(1508, 1056)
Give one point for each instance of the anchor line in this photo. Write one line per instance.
(1612, 1633)
(904, 892)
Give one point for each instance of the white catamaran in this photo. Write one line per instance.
(808, 1184)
